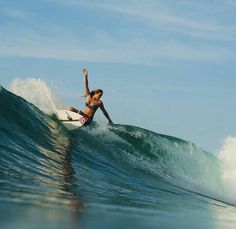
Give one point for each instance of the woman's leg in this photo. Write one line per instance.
(74, 109)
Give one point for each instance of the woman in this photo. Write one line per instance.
(93, 102)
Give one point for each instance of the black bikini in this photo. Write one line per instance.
(93, 107)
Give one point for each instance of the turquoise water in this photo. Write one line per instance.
(119, 176)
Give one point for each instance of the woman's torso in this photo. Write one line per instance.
(91, 106)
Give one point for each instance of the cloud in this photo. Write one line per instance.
(14, 13)
(180, 51)
(111, 50)
(157, 14)
(117, 45)
(231, 2)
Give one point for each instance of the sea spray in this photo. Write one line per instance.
(37, 92)
(228, 157)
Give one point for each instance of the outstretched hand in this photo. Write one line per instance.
(85, 72)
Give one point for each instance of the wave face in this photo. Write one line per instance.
(121, 175)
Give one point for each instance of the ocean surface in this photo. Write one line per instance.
(101, 176)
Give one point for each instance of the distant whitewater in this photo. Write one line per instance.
(131, 174)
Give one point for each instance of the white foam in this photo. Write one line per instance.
(103, 131)
(228, 156)
(37, 92)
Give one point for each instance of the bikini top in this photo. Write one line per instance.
(91, 106)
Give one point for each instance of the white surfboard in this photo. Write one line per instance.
(71, 119)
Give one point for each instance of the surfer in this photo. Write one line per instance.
(93, 102)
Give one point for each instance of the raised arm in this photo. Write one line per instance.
(105, 113)
(85, 73)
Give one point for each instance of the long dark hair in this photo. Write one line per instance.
(96, 91)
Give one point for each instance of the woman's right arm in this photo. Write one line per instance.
(85, 73)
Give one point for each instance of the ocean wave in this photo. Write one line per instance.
(41, 161)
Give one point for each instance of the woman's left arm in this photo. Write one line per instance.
(105, 113)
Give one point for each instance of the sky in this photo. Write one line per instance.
(164, 65)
